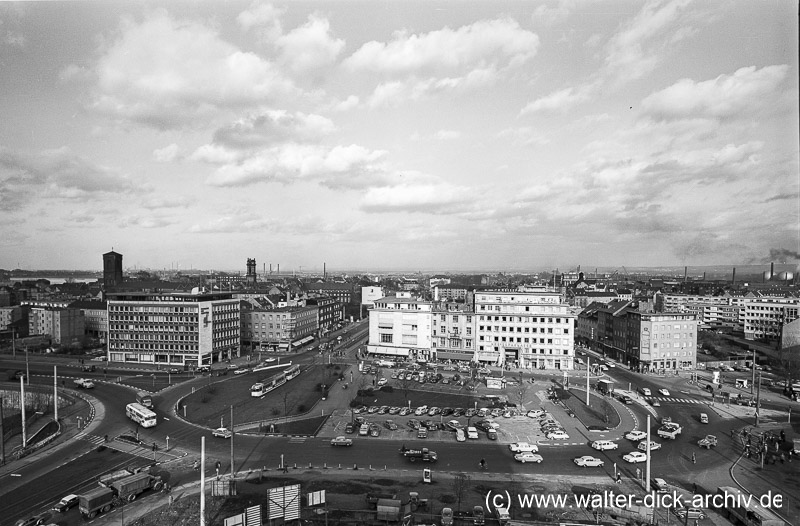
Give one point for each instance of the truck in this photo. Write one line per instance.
(96, 501)
(670, 431)
(605, 386)
(127, 484)
(84, 383)
(373, 498)
(708, 442)
(423, 454)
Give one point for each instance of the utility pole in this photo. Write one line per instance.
(647, 461)
(202, 481)
(22, 408)
(588, 366)
(753, 367)
(758, 398)
(27, 368)
(2, 434)
(232, 437)
(55, 392)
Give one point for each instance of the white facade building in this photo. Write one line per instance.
(526, 328)
(401, 327)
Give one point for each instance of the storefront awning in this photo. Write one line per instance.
(389, 351)
(445, 355)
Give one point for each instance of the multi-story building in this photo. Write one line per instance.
(583, 298)
(280, 328)
(712, 311)
(329, 313)
(764, 318)
(10, 317)
(643, 341)
(62, 325)
(190, 329)
(401, 326)
(95, 316)
(449, 292)
(524, 328)
(453, 336)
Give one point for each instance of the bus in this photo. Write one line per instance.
(262, 388)
(141, 415)
(143, 398)
(292, 372)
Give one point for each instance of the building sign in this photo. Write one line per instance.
(284, 502)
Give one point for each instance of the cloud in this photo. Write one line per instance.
(549, 16)
(484, 42)
(168, 202)
(264, 17)
(558, 101)
(274, 126)
(747, 91)
(55, 174)
(337, 167)
(309, 47)
(166, 154)
(635, 51)
(414, 192)
(166, 73)
(525, 136)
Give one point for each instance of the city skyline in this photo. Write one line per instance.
(453, 135)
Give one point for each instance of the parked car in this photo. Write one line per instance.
(472, 433)
(535, 413)
(390, 425)
(460, 435)
(349, 428)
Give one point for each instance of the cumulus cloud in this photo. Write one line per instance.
(547, 15)
(264, 17)
(55, 174)
(415, 192)
(558, 101)
(166, 73)
(744, 92)
(310, 46)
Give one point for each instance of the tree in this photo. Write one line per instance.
(520, 391)
(405, 385)
(288, 402)
(461, 484)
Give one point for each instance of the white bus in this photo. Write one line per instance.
(141, 415)
(292, 372)
(144, 399)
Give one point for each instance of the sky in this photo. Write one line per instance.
(379, 135)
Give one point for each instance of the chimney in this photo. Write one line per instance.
(324, 271)
(685, 273)
(772, 270)
(733, 279)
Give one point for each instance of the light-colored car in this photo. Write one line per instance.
(447, 516)
(523, 447)
(241, 371)
(460, 435)
(634, 457)
(653, 445)
(660, 485)
(589, 461)
(341, 441)
(383, 381)
(557, 435)
(535, 413)
(472, 433)
(636, 435)
(663, 392)
(645, 391)
(421, 410)
(527, 456)
(222, 432)
(603, 445)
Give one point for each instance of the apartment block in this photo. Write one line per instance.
(62, 325)
(173, 328)
(765, 318)
(280, 329)
(453, 337)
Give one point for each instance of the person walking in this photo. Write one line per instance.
(694, 459)
(619, 478)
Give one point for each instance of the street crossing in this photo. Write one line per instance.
(677, 400)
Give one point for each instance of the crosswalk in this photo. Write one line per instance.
(677, 400)
(93, 439)
(297, 440)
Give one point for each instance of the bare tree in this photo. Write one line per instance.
(520, 391)
(288, 403)
(461, 484)
(405, 385)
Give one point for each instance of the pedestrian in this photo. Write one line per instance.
(285, 468)
(619, 478)
(694, 459)
(790, 455)
(782, 457)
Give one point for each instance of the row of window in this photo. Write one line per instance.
(523, 319)
(503, 328)
(511, 339)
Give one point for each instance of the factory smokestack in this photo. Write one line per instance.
(685, 273)
(324, 271)
(733, 279)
